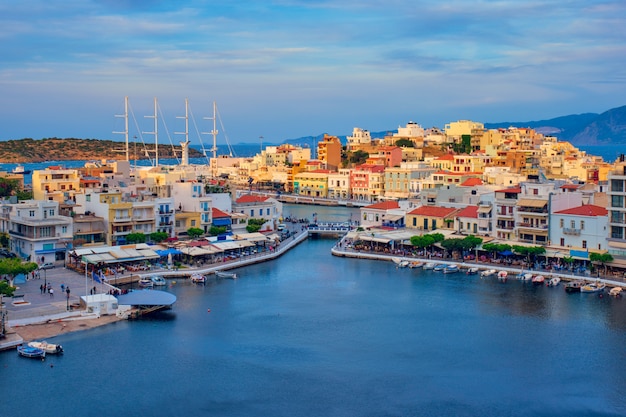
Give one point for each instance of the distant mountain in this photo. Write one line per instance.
(607, 128)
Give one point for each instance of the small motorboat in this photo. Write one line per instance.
(224, 274)
(416, 264)
(553, 282)
(538, 279)
(527, 277)
(616, 291)
(439, 267)
(49, 348)
(488, 273)
(502, 276)
(198, 279)
(430, 265)
(593, 287)
(146, 283)
(472, 271)
(31, 352)
(573, 286)
(451, 269)
(158, 280)
(400, 263)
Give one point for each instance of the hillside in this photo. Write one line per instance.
(55, 149)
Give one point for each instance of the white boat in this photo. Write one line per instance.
(46, 347)
(430, 265)
(439, 267)
(451, 269)
(198, 279)
(400, 263)
(503, 275)
(158, 280)
(616, 291)
(20, 170)
(472, 271)
(593, 287)
(488, 273)
(553, 282)
(416, 264)
(527, 277)
(224, 274)
(538, 279)
(146, 283)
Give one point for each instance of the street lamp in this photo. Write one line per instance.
(67, 291)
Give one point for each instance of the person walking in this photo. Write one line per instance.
(41, 289)
(51, 292)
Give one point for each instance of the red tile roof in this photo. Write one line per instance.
(470, 182)
(217, 213)
(571, 186)
(384, 205)
(433, 211)
(510, 190)
(249, 198)
(446, 157)
(585, 210)
(469, 211)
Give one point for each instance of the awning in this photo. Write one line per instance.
(252, 237)
(393, 217)
(374, 239)
(199, 250)
(527, 202)
(484, 209)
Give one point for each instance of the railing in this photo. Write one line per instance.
(569, 231)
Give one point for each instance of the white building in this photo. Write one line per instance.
(580, 228)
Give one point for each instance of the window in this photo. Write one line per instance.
(582, 225)
(617, 201)
(584, 244)
(193, 223)
(617, 185)
(51, 212)
(562, 241)
(561, 223)
(31, 213)
(572, 224)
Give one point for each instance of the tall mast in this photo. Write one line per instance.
(214, 131)
(125, 132)
(185, 145)
(155, 133)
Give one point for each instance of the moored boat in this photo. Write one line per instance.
(400, 263)
(430, 265)
(593, 287)
(158, 280)
(573, 286)
(198, 279)
(553, 282)
(616, 291)
(488, 273)
(538, 279)
(439, 267)
(146, 283)
(31, 352)
(472, 271)
(416, 264)
(224, 274)
(46, 347)
(502, 276)
(451, 269)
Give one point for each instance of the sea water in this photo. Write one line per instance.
(310, 334)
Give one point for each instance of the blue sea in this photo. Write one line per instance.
(310, 334)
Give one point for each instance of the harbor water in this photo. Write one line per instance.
(310, 334)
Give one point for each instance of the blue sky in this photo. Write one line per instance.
(286, 69)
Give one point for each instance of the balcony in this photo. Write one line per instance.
(570, 231)
(121, 218)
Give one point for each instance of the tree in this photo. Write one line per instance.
(4, 240)
(195, 232)
(158, 237)
(601, 258)
(217, 230)
(405, 143)
(14, 266)
(254, 225)
(569, 261)
(136, 238)
(6, 289)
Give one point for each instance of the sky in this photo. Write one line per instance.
(286, 69)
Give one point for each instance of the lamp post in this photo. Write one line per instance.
(45, 279)
(67, 291)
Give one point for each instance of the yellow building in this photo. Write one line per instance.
(55, 183)
(329, 152)
(429, 218)
(311, 184)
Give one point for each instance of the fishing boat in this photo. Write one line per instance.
(20, 170)
(502, 276)
(198, 279)
(49, 348)
(439, 267)
(488, 273)
(400, 263)
(146, 283)
(224, 274)
(573, 286)
(472, 271)
(31, 352)
(616, 291)
(553, 282)
(593, 287)
(158, 280)
(538, 279)
(430, 265)
(416, 264)
(451, 269)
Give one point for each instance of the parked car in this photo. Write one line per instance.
(46, 265)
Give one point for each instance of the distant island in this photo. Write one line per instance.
(57, 149)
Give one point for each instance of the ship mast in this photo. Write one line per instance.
(185, 145)
(125, 132)
(155, 132)
(214, 131)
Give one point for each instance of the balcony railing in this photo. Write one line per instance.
(570, 231)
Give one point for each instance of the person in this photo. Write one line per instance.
(41, 288)
(51, 292)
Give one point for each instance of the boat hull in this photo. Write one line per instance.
(31, 352)
(49, 348)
